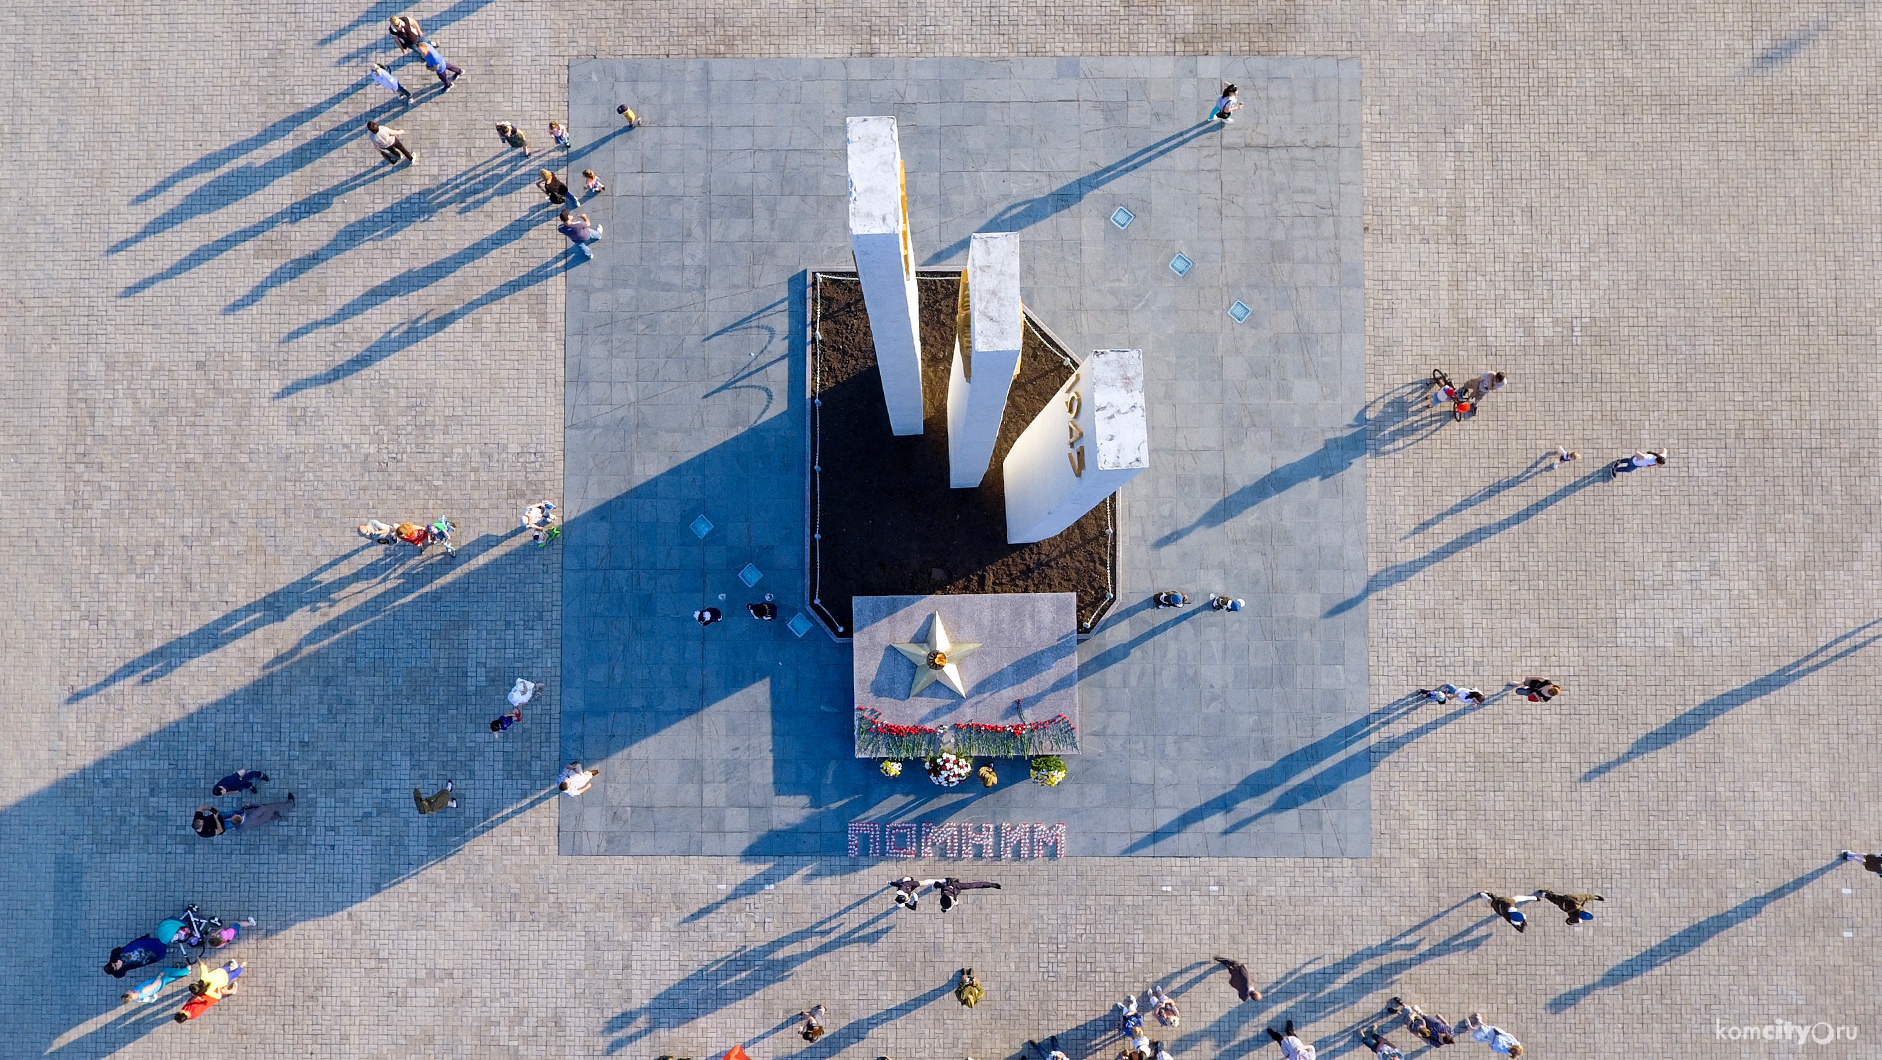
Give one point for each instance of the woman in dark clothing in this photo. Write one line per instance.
(553, 187)
(135, 954)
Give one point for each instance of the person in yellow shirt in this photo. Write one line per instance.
(217, 983)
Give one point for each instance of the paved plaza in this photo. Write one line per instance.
(244, 335)
(686, 396)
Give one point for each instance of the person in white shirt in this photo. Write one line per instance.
(388, 142)
(1292, 1048)
(1636, 462)
(1163, 1007)
(1498, 1039)
(575, 780)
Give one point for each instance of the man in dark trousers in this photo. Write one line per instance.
(240, 780)
(1238, 978)
(1575, 905)
(908, 890)
(951, 889)
(1872, 862)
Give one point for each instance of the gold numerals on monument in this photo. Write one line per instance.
(1076, 434)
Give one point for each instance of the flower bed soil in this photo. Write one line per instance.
(889, 524)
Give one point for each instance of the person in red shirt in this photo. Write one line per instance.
(196, 1006)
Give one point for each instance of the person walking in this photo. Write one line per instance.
(1483, 384)
(240, 780)
(706, 616)
(1506, 908)
(1575, 905)
(969, 992)
(539, 520)
(1633, 463)
(1163, 1007)
(627, 115)
(405, 30)
(135, 954)
(908, 890)
(208, 822)
(1498, 1039)
(552, 187)
(763, 610)
(574, 780)
(1226, 105)
(1226, 603)
(388, 142)
(1563, 454)
(148, 992)
(1539, 690)
(523, 691)
(1871, 862)
(1291, 1046)
(951, 889)
(1171, 598)
(560, 134)
(1238, 978)
(1445, 692)
(591, 184)
(447, 72)
(813, 1023)
(433, 803)
(1130, 1025)
(1433, 1029)
(581, 232)
(513, 137)
(260, 813)
(384, 79)
(218, 982)
(226, 936)
(1380, 1045)
(195, 1006)
(1049, 1051)
(501, 724)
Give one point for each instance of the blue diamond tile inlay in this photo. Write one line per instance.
(1239, 311)
(750, 575)
(1123, 218)
(1181, 265)
(798, 624)
(701, 527)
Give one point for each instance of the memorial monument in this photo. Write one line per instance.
(885, 262)
(1081, 448)
(987, 332)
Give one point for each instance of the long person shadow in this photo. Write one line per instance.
(1488, 493)
(1399, 573)
(742, 973)
(1329, 461)
(277, 130)
(1695, 720)
(1685, 941)
(233, 185)
(404, 336)
(316, 590)
(1319, 990)
(1022, 215)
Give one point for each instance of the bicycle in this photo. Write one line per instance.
(193, 932)
(1460, 404)
(441, 532)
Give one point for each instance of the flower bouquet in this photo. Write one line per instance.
(876, 738)
(1048, 770)
(948, 769)
(1026, 737)
(890, 767)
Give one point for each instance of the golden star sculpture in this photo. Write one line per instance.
(935, 659)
